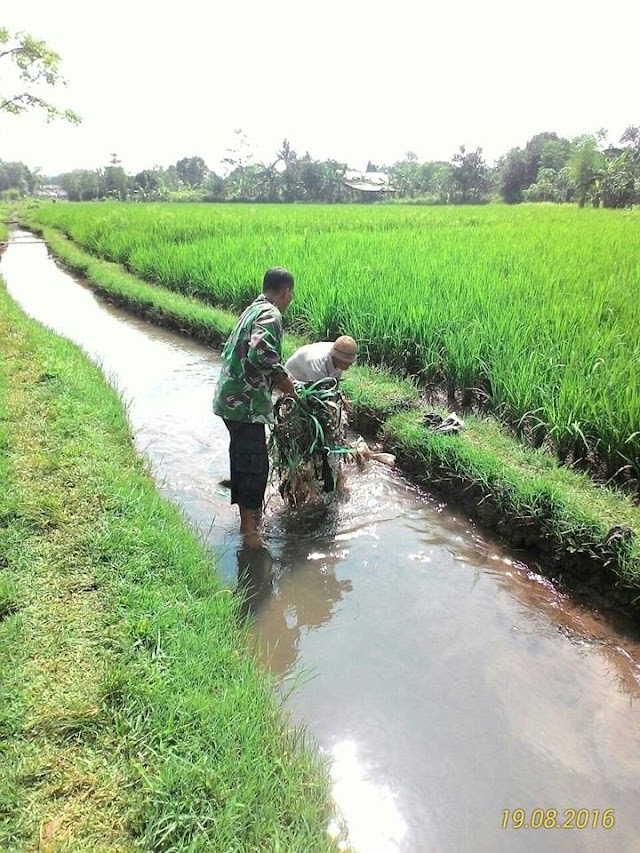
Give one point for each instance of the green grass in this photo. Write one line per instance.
(535, 306)
(4, 230)
(133, 715)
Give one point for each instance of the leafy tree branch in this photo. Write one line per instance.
(31, 64)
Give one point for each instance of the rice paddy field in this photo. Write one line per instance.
(534, 310)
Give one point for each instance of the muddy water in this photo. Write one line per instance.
(447, 680)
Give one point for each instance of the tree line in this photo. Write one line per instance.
(549, 168)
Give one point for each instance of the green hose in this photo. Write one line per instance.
(306, 426)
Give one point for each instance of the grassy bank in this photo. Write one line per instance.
(523, 493)
(132, 713)
(587, 536)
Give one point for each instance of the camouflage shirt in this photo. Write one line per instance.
(251, 365)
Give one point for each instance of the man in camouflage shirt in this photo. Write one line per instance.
(251, 370)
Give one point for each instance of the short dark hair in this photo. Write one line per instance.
(276, 280)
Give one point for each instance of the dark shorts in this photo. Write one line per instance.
(249, 462)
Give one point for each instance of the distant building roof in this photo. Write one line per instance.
(51, 191)
(368, 182)
(367, 188)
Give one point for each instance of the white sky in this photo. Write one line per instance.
(349, 79)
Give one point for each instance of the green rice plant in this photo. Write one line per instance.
(536, 307)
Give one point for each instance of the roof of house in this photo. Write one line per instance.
(370, 182)
(368, 188)
(51, 191)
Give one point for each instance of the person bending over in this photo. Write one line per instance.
(323, 360)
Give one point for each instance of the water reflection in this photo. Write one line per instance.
(369, 807)
(290, 585)
(255, 576)
(544, 609)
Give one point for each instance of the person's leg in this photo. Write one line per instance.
(327, 473)
(249, 520)
(249, 464)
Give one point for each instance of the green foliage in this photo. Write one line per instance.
(470, 176)
(620, 182)
(10, 195)
(548, 169)
(116, 183)
(553, 169)
(521, 176)
(33, 63)
(147, 185)
(464, 181)
(586, 166)
(83, 184)
(5, 210)
(185, 196)
(17, 177)
(621, 175)
(554, 153)
(551, 185)
(513, 176)
(147, 180)
(192, 171)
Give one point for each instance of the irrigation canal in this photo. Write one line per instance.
(447, 680)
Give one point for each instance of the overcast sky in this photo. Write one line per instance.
(349, 79)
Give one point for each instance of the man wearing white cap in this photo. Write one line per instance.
(326, 359)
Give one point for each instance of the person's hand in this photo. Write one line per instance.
(287, 387)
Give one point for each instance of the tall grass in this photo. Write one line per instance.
(536, 306)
